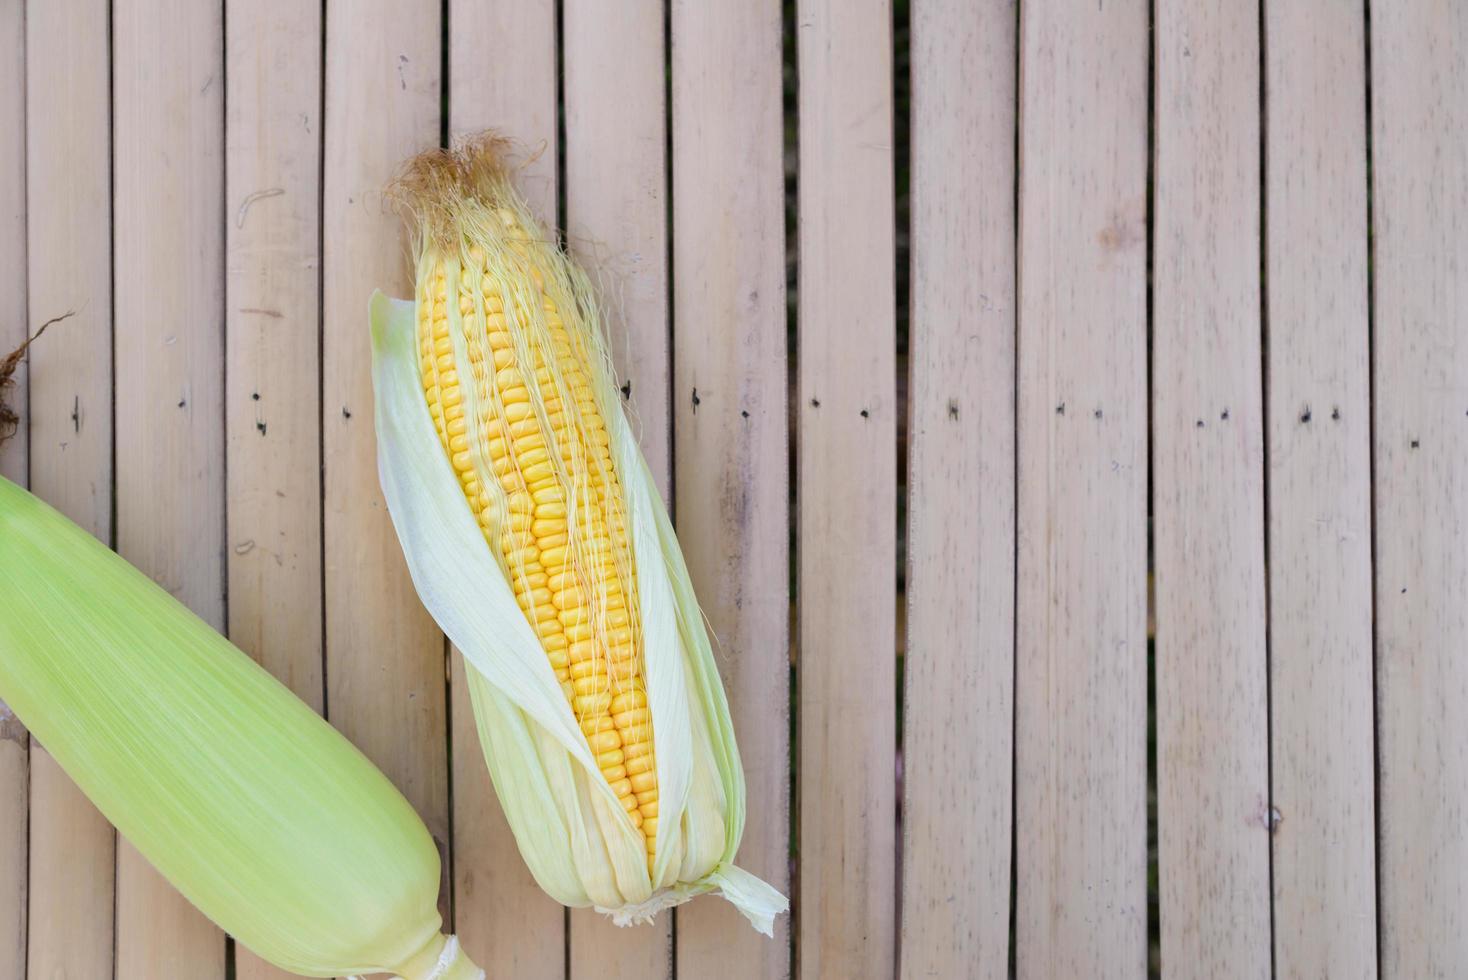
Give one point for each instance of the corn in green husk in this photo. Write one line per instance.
(256, 809)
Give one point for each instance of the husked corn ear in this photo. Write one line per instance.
(256, 809)
(568, 559)
(537, 540)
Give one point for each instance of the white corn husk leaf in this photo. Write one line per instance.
(579, 844)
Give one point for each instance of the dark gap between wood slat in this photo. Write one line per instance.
(1154, 877)
(1371, 483)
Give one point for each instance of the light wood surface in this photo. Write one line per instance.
(847, 499)
(502, 77)
(1213, 806)
(14, 741)
(505, 921)
(616, 219)
(386, 671)
(1081, 654)
(202, 186)
(1318, 430)
(1419, 117)
(273, 320)
(168, 169)
(732, 472)
(958, 739)
(13, 323)
(69, 208)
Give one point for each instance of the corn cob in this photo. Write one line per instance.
(256, 809)
(540, 481)
(537, 539)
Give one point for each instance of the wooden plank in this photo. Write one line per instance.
(72, 848)
(272, 397)
(848, 479)
(168, 117)
(508, 86)
(507, 924)
(733, 474)
(14, 741)
(386, 670)
(1081, 655)
(1319, 491)
(13, 326)
(958, 739)
(616, 213)
(1419, 145)
(385, 659)
(616, 197)
(14, 778)
(1208, 505)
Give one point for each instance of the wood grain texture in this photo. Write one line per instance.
(168, 118)
(616, 215)
(731, 446)
(617, 198)
(1318, 431)
(1208, 500)
(508, 925)
(69, 203)
(502, 73)
(13, 323)
(385, 659)
(848, 479)
(958, 742)
(72, 866)
(14, 780)
(1419, 114)
(273, 319)
(1081, 655)
(14, 741)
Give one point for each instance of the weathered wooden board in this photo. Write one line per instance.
(1081, 653)
(69, 227)
(1208, 494)
(168, 181)
(273, 327)
(1419, 145)
(958, 737)
(14, 741)
(847, 492)
(1318, 430)
(732, 472)
(386, 672)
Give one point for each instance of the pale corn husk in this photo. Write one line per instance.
(578, 842)
(256, 809)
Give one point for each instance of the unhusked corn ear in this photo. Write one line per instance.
(536, 538)
(256, 809)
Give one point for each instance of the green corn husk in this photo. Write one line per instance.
(258, 811)
(581, 846)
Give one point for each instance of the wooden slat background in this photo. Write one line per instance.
(1064, 410)
(168, 336)
(731, 441)
(958, 740)
(1213, 803)
(69, 220)
(1419, 214)
(1318, 432)
(1080, 670)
